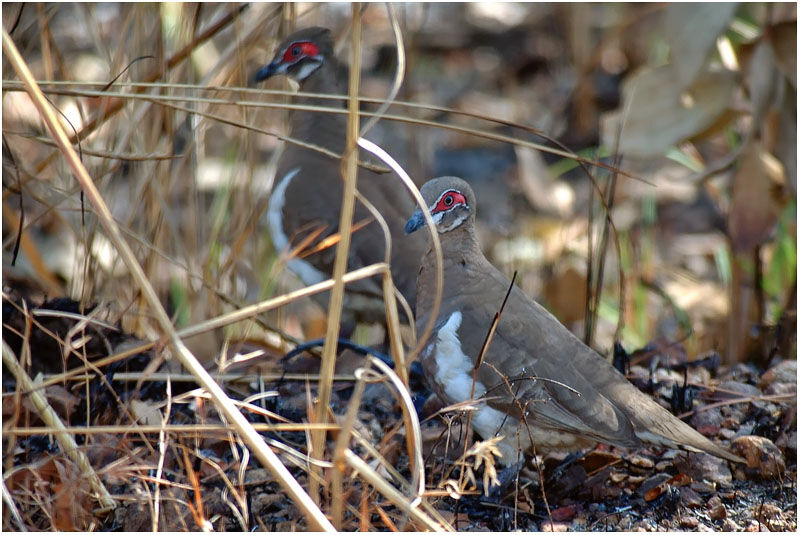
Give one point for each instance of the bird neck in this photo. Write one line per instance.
(462, 262)
(317, 127)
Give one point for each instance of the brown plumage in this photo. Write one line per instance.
(535, 370)
(308, 187)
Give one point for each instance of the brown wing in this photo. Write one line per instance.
(552, 375)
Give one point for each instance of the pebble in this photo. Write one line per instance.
(705, 467)
(641, 461)
(689, 522)
(257, 476)
(690, 498)
(564, 513)
(753, 526)
(764, 459)
(652, 482)
(771, 515)
(702, 487)
(735, 390)
(716, 509)
(617, 477)
(555, 527)
(663, 465)
(783, 372)
(788, 443)
(730, 525)
(727, 434)
(780, 388)
(707, 422)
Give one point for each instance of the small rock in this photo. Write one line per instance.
(788, 443)
(555, 527)
(753, 526)
(764, 459)
(730, 525)
(641, 461)
(262, 501)
(705, 467)
(707, 422)
(565, 513)
(702, 487)
(690, 498)
(689, 522)
(779, 388)
(727, 434)
(771, 515)
(617, 477)
(652, 482)
(644, 525)
(783, 372)
(663, 465)
(735, 390)
(257, 476)
(716, 509)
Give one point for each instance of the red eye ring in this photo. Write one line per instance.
(449, 200)
(299, 50)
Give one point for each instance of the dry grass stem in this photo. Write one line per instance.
(50, 417)
(254, 440)
(349, 169)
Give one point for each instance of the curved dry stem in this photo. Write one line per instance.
(437, 247)
(223, 402)
(164, 99)
(398, 73)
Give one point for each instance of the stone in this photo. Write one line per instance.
(764, 459)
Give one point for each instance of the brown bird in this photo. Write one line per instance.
(535, 371)
(307, 195)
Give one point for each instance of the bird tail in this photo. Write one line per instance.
(658, 426)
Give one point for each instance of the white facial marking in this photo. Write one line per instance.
(307, 68)
(460, 219)
(307, 273)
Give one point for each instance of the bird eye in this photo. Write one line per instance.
(296, 51)
(448, 200)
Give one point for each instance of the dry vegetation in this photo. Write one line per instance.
(111, 316)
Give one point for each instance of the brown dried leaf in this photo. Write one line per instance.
(783, 38)
(658, 113)
(763, 80)
(755, 207)
(691, 31)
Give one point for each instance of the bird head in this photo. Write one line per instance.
(450, 201)
(300, 54)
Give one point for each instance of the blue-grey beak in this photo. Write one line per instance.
(267, 71)
(416, 221)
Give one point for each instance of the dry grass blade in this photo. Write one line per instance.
(65, 440)
(437, 247)
(398, 499)
(12, 507)
(253, 439)
(227, 319)
(165, 100)
(188, 429)
(349, 169)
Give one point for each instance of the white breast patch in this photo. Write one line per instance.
(307, 273)
(454, 373)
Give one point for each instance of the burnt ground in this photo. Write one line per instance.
(753, 411)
